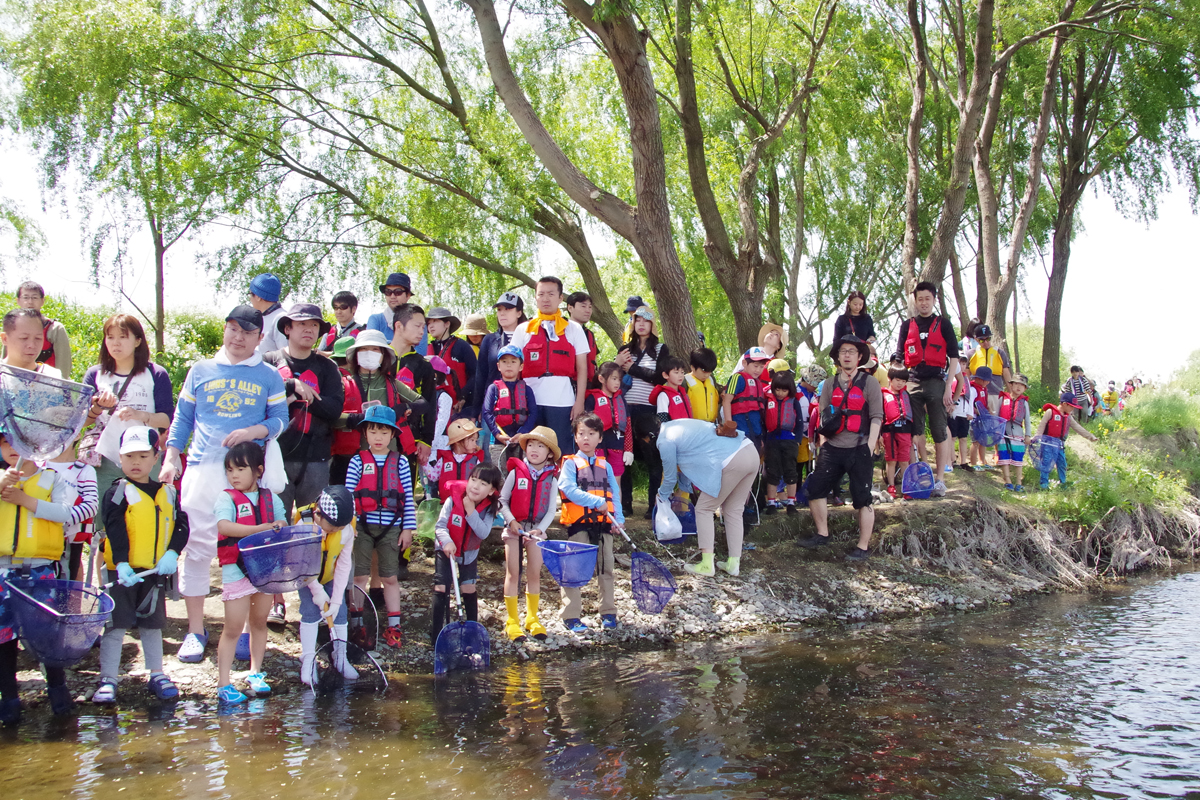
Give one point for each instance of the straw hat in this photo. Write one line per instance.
(476, 325)
(771, 326)
(460, 429)
(544, 435)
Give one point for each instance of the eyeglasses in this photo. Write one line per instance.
(337, 307)
(396, 292)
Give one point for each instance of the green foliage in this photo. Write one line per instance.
(1187, 378)
(85, 325)
(190, 336)
(1155, 413)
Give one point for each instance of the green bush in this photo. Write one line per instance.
(190, 336)
(85, 325)
(1154, 413)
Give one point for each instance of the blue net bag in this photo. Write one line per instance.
(1048, 448)
(987, 429)
(41, 414)
(58, 620)
(571, 564)
(283, 560)
(653, 584)
(917, 481)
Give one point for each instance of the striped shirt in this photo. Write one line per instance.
(81, 483)
(408, 522)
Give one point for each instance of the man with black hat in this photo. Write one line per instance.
(230, 398)
(264, 293)
(457, 354)
(315, 398)
(851, 406)
(396, 291)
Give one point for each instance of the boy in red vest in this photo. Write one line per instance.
(1014, 410)
(785, 426)
(456, 463)
(509, 406)
(897, 426)
(1057, 422)
(671, 399)
(746, 396)
(381, 482)
(466, 520)
(527, 503)
(986, 402)
(608, 403)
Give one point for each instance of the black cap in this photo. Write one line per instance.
(983, 332)
(396, 279)
(248, 317)
(633, 304)
(336, 505)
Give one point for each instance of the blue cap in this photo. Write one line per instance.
(266, 286)
(984, 373)
(396, 279)
(1069, 399)
(380, 415)
(510, 350)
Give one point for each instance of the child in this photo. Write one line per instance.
(746, 396)
(1057, 422)
(1014, 410)
(509, 406)
(985, 403)
(455, 353)
(783, 422)
(809, 398)
(84, 501)
(381, 482)
(527, 503)
(897, 426)
(588, 486)
(609, 405)
(701, 389)
(241, 510)
(462, 454)
(145, 528)
(321, 599)
(445, 409)
(670, 400)
(466, 520)
(959, 422)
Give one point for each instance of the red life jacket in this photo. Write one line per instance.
(1057, 427)
(331, 335)
(854, 412)
(1010, 407)
(593, 354)
(512, 406)
(444, 349)
(47, 355)
(346, 442)
(781, 414)
(301, 419)
(245, 513)
(612, 410)
(896, 406)
(932, 352)
(752, 397)
(463, 537)
(981, 398)
(544, 357)
(377, 492)
(405, 439)
(678, 404)
(531, 497)
(451, 470)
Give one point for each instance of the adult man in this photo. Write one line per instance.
(22, 338)
(555, 365)
(315, 398)
(264, 296)
(415, 372)
(579, 307)
(56, 344)
(457, 354)
(230, 398)
(1084, 390)
(930, 351)
(993, 358)
(855, 397)
(396, 291)
(345, 304)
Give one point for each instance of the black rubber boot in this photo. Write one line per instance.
(437, 615)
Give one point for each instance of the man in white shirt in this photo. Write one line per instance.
(264, 297)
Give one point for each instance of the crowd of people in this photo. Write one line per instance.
(345, 425)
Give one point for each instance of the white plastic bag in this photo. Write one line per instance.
(667, 526)
(274, 477)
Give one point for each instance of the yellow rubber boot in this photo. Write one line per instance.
(512, 628)
(532, 623)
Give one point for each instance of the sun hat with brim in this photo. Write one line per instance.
(544, 435)
(1019, 378)
(301, 312)
(645, 313)
(634, 303)
(460, 429)
(864, 350)
(476, 325)
(368, 338)
(397, 279)
(766, 329)
(1068, 399)
(380, 415)
(342, 346)
(757, 354)
(438, 364)
(444, 313)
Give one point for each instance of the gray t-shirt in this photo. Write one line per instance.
(874, 397)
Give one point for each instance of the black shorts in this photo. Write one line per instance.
(833, 463)
(960, 427)
(467, 573)
(127, 600)
(927, 399)
(780, 458)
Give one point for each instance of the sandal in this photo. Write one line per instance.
(162, 687)
(106, 692)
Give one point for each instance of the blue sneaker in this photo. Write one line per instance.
(609, 621)
(191, 651)
(575, 625)
(257, 681)
(230, 695)
(242, 653)
(162, 687)
(1009, 487)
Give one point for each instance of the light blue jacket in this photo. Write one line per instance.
(693, 448)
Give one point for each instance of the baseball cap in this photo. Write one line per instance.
(510, 299)
(138, 439)
(510, 350)
(336, 505)
(248, 317)
(1069, 399)
(757, 354)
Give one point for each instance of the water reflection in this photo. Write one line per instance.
(1068, 697)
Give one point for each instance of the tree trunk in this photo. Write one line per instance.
(960, 293)
(989, 205)
(912, 150)
(981, 298)
(1052, 332)
(160, 260)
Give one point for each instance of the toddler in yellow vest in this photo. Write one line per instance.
(324, 597)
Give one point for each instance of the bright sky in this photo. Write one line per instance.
(1126, 278)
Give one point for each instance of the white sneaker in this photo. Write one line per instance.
(939, 489)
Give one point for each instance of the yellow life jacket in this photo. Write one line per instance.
(593, 479)
(331, 543)
(704, 397)
(22, 535)
(149, 524)
(987, 357)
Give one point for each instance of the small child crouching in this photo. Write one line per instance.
(897, 427)
(785, 426)
(588, 486)
(323, 598)
(145, 528)
(468, 509)
(527, 503)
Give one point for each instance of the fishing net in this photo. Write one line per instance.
(462, 645)
(918, 481)
(332, 658)
(987, 429)
(283, 560)
(653, 583)
(1048, 448)
(571, 564)
(58, 620)
(41, 414)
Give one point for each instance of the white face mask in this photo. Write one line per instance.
(370, 359)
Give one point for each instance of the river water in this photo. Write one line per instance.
(1060, 697)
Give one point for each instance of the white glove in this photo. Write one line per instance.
(627, 457)
(319, 596)
(333, 610)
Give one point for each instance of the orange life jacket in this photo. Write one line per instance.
(531, 497)
(245, 513)
(451, 470)
(612, 410)
(932, 352)
(593, 479)
(512, 405)
(678, 404)
(376, 492)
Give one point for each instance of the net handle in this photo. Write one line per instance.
(301, 540)
(34, 600)
(621, 529)
(146, 573)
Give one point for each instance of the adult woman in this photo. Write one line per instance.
(510, 312)
(855, 320)
(639, 359)
(130, 390)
